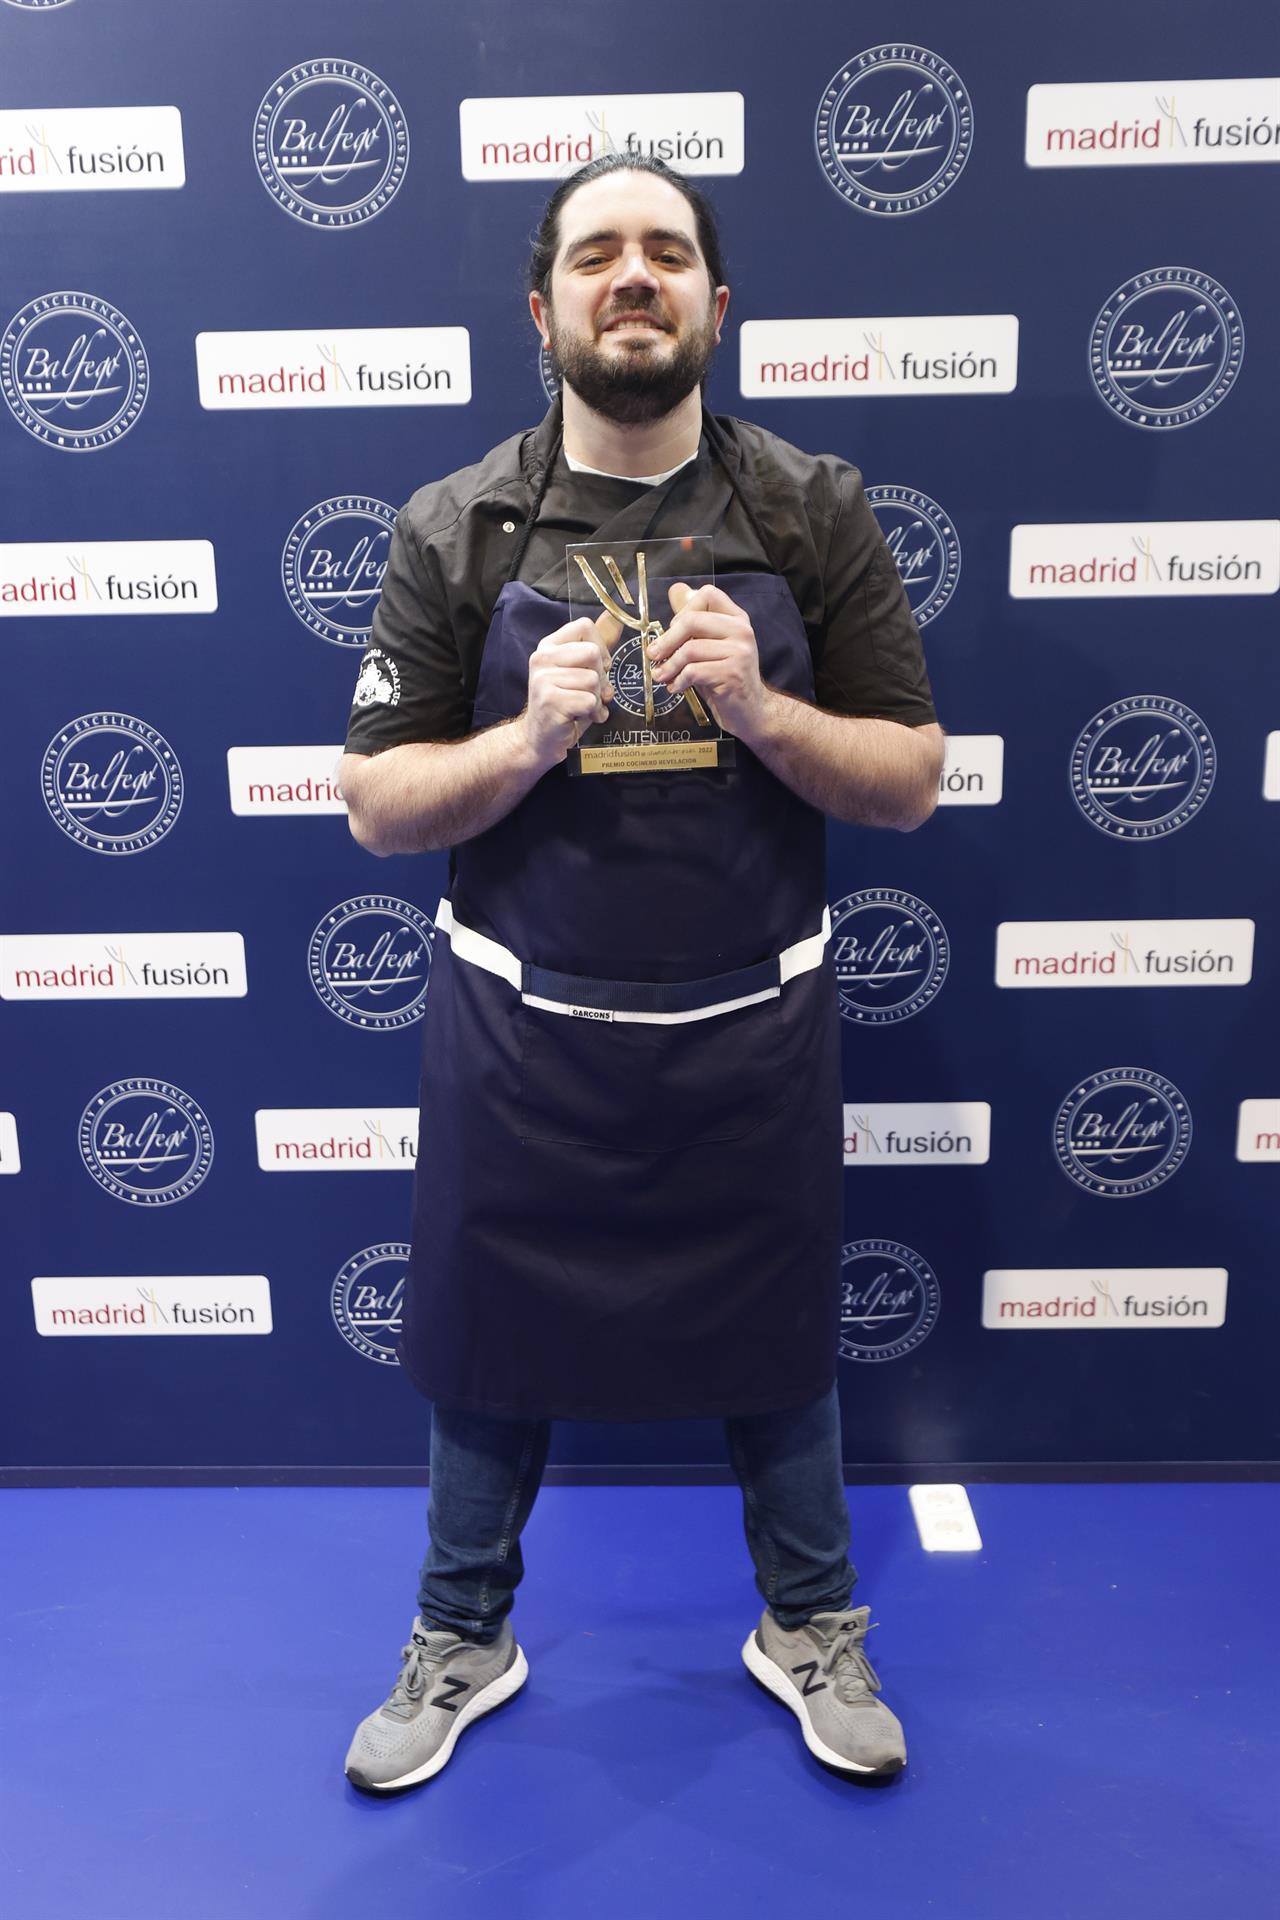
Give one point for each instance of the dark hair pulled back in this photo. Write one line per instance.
(546, 241)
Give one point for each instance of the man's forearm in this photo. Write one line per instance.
(873, 772)
(420, 797)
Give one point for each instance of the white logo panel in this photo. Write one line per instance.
(1153, 123)
(1258, 1134)
(917, 1133)
(292, 780)
(152, 1304)
(1138, 560)
(83, 149)
(521, 138)
(1035, 1299)
(1132, 953)
(348, 367)
(336, 1139)
(972, 771)
(122, 966)
(10, 1158)
(904, 356)
(107, 576)
(1271, 769)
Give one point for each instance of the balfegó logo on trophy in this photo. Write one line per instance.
(891, 955)
(889, 1300)
(1122, 1132)
(1143, 767)
(146, 1142)
(331, 144)
(923, 542)
(112, 783)
(1166, 348)
(73, 371)
(370, 961)
(368, 1298)
(333, 564)
(894, 129)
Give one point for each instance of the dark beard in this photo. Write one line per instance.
(635, 388)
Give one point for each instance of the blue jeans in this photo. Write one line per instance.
(485, 1475)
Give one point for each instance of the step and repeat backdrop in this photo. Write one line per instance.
(261, 278)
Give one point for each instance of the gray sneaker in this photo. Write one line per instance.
(821, 1672)
(446, 1682)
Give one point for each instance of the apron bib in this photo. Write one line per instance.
(628, 1196)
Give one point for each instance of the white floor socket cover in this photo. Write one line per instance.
(944, 1520)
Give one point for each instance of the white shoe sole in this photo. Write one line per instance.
(783, 1688)
(489, 1697)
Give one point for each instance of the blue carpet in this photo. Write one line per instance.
(1090, 1706)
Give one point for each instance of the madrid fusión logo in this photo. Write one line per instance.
(1166, 348)
(1122, 1132)
(73, 371)
(894, 129)
(889, 1300)
(367, 1300)
(330, 143)
(333, 565)
(112, 783)
(1143, 767)
(146, 1142)
(923, 542)
(891, 955)
(370, 961)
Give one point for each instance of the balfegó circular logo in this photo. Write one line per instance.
(1166, 348)
(627, 674)
(549, 373)
(924, 546)
(112, 783)
(1143, 767)
(333, 564)
(367, 1300)
(889, 1300)
(894, 129)
(891, 955)
(37, 6)
(370, 960)
(73, 371)
(1122, 1131)
(146, 1142)
(331, 144)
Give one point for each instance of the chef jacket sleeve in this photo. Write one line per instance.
(871, 662)
(410, 685)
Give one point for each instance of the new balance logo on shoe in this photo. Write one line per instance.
(812, 1684)
(449, 1699)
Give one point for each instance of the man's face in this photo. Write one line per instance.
(631, 319)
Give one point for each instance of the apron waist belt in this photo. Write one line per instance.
(658, 1003)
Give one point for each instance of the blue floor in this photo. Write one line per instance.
(1090, 1706)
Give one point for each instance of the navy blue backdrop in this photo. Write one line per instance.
(1062, 1071)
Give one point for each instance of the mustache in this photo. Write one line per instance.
(647, 306)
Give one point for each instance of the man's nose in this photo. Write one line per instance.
(634, 270)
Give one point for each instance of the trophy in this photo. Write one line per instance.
(650, 729)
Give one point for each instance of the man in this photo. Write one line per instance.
(628, 1200)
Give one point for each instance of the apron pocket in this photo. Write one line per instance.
(638, 1087)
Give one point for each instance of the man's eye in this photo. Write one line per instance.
(592, 260)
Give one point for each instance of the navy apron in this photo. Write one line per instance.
(618, 1216)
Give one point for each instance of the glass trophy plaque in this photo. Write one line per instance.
(650, 729)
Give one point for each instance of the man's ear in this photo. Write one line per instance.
(539, 308)
(722, 301)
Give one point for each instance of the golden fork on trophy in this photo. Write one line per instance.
(647, 627)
